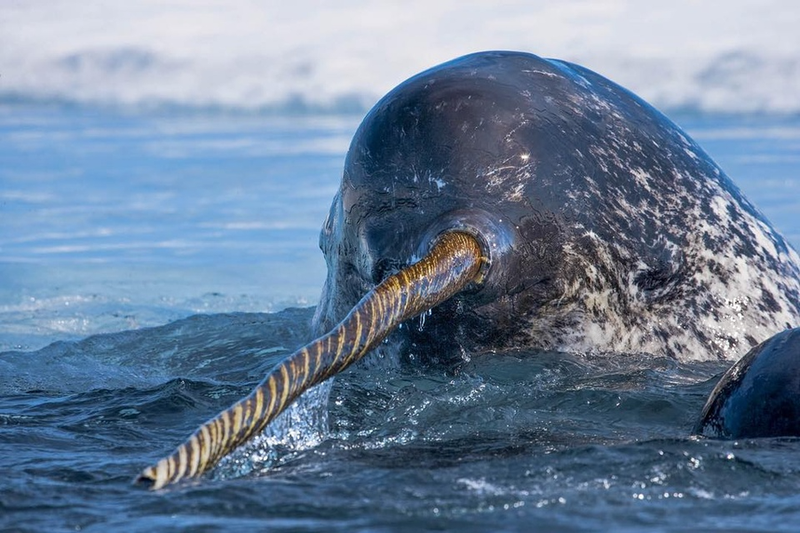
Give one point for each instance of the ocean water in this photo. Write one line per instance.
(113, 221)
(154, 267)
(165, 167)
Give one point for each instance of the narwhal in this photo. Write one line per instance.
(759, 396)
(523, 202)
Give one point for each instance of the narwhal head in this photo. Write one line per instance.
(607, 229)
(450, 149)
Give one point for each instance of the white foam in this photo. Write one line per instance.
(246, 54)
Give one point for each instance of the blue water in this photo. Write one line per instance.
(110, 221)
(146, 261)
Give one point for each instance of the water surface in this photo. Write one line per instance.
(145, 263)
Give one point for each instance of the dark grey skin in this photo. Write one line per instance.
(608, 228)
(760, 395)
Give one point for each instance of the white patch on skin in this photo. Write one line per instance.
(517, 192)
(716, 302)
(542, 73)
(508, 177)
(761, 231)
(642, 178)
(691, 154)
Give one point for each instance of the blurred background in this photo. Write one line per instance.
(731, 57)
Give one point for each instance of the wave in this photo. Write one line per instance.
(301, 57)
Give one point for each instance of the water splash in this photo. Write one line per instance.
(422, 317)
(302, 426)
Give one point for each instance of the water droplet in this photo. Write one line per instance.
(422, 319)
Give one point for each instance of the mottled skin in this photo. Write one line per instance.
(567, 214)
(760, 395)
(615, 231)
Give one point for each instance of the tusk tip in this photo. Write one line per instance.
(149, 479)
